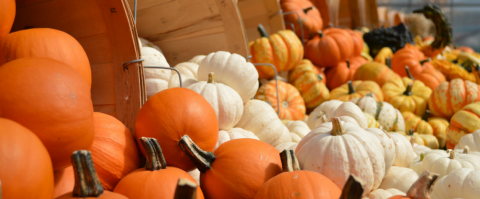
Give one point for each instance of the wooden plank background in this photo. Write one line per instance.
(256, 12)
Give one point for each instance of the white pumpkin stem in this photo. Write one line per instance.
(422, 156)
(337, 127)
(211, 78)
(353, 188)
(452, 155)
(466, 150)
(200, 158)
(186, 189)
(153, 154)
(422, 187)
(289, 161)
(321, 120)
(87, 183)
(412, 141)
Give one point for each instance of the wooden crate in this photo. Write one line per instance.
(354, 14)
(186, 28)
(106, 31)
(265, 12)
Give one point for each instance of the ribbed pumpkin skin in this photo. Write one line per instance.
(105, 195)
(436, 126)
(299, 184)
(292, 106)
(383, 54)
(335, 46)
(361, 89)
(376, 72)
(114, 150)
(450, 97)
(284, 50)
(173, 113)
(64, 181)
(48, 43)
(416, 103)
(357, 42)
(342, 72)
(25, 166)
(308, 83)
(462, 123)
(7, 16)
(311, 21)
(53, 101)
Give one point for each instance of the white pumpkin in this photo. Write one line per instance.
(417, 163)
(462, 183)
(261, 119)
(336, 108)
(389, 117)
(295, 137)
(156, 80)
(442, 165)
(324, 119)
(399, 178)
(383, 194)
(197, 59)
(299, 128)
(188, 72)
(232, 70)
(146, 43)
(195, 175)
(471, 140)
(418, 148)
(234, 133)
(404, 153)
(327, 108)
(351, 110)
(286, 146)
(337, 149)
(388, 146)
(226, 102)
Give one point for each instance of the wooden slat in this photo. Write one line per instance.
(322, 6)
(254, 12)
(371, 12)
(355, 18)
(103, 84)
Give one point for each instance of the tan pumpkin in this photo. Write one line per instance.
(384, 54)
(356, 89)
(292, 106)
(387, 116)
(422, 139)
(435, 126)
(464, 122)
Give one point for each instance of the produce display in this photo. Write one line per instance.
(387, 113)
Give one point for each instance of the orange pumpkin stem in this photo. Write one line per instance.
(388, 62)
(289, 161)
(186, 189)
(422, 187)
(308, 9)
(320, 34)
(424, 61)
(350, 87)
(211, 78)
(200, 158)
(353, 188)
(426, 115)
(408, 91)
(262, 31)
(87, 183)
(337, 128)
(348, 63)
(409, 74)
(153, 154)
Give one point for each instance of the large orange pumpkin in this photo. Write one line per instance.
(25, 166)
(7, 15)
(376, 72)
(173, 113)
(48, 43)
(308, 14)
(343, 72)
(292, 106)
(284, 50)
(156, 180)
(464, 122)
(329, 47)
(64, 181)
(114, 150)
(357, 42)
(355, 89)
(52, 100)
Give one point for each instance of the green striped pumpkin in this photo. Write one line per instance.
(389, 117)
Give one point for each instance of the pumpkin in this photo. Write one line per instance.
(383, 193)
(357, 43)
(422, 139)
(404, 153)
(298, 128)
(417, 163)
(283, 50)
(354, 143)
(346, 111)
(234, 133)
(309, 83)
(464, 122)
(156, 80)
(87, 184)
(436, 126)
(292, 106)
(308, 15)
(471, 141)
(145, 43)
(407, 95)
(47, 43)
(260, 118)
(376, 72)
(7, 16)
(453, 71)
(286, 146)
(197, 59)
(114, 150)
(320, 73)
(226, 102)
(188, 72)
(400, 178)
(421, 188)
(461, 183)
(343, 72)
(228, 172)
(330, 47)
(419, 149)
(388, 147)
(371, 121)
(172, 113)
(327, 108)
(443, 165)
(387, 116)
(384, 54)
(24, 159)
(356, 89)
(295, 182)
(156, 179)
(64, 180)
(232, 70)
(449, 97)
(59, 89)
(466, 49)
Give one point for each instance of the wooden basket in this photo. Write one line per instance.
(106, 31)
(265, 12)
(186, 28)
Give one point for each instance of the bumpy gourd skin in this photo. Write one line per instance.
(395, 37)
(442, 25)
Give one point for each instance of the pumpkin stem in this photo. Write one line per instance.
(262, 31)
(422, 156)
(211, 78)
(308, 9)
(289, 161)
(422, 187)
(410, 132)
(409, 74)
(321, 120)
(412, 141)
(452, 155)
(186, 189)
(388, 62)
(408, 91)
(466, 150)
(337, 128)
(320, 34)
(153, 154)
(200, 158)
(353, 188)
(369, 94)
(350, 87)
(426, 115)
(87, 183)
(348, 63)
(319, 77)
(424, 61)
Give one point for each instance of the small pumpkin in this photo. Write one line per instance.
(417, 163)
(404, 153)
(464, 179)
(346, 111)
(188, 72)
(356, 89)
(421, 188)
(400, 178)
(464, 122)
(449, 97)
(466, 49)
(388, 146)
(436, 126)
(383, 193)
(387, 116)
(343, 72)
(299, 128)
(156, 80)
(444, 165)
(7, 17)
(234, 133)
(422, 139)
(292, 106)
(357, 42)
(287, 146)
(330, 47)
(376, 72)
(384, 54)
(471, 140)
(306, 13)
(453, 71)
(64, 181)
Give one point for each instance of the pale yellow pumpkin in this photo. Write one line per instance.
(407, 95)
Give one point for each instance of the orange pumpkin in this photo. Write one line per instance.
(343, 72)
(173, 113)
(450, 97)
(308, 14)
(48, 43)
(236, 169)
(309, 83)
(357, 42)
(114, 150)
(52, 100)
(25, 166)
(292, 106)
(64, 181)
(284, 50)
(464, 122)
(156, 179)
(329, 47)
(355, 89)
(7, 15)
(376, 72)
(421, 188)
(466, 49)
(293, 181)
